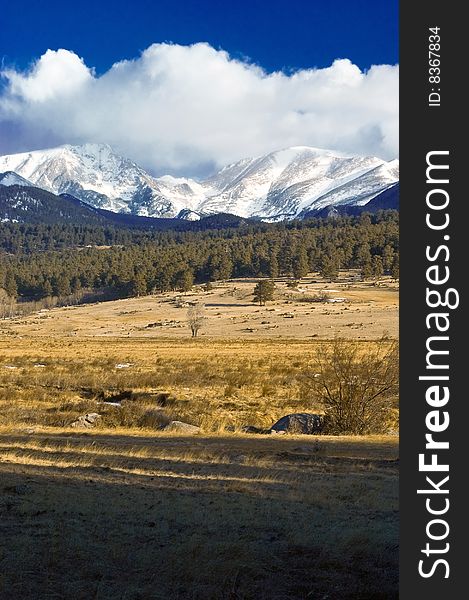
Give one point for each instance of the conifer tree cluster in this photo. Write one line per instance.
(39, 261)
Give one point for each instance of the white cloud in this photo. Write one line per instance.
(188, 108)
(57, 74)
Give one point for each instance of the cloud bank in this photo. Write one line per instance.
(191, 109)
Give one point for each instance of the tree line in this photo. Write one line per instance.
(43, 261)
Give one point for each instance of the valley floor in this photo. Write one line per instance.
(124, 511)
(356, 310)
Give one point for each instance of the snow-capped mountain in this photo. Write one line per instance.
(297, 180)
(280, 185)
(11, 178)
(97, 175)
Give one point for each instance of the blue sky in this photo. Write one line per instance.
(276, 34)
(187, 107)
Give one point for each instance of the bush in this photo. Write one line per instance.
(357, 386)
(131, 414)
(319, 297)
(153, 419)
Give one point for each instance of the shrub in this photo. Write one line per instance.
(131, 414)
(319, 297)
(357, 387)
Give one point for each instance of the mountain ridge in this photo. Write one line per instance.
(32, 205)
(284, 184)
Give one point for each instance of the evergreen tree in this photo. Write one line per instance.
(62, 286)
(273, 270)
(300, 263)
(47, 289)
(10, 285)
(363, 254)
(264, 291)
(185, 280)
(395, 268)
(366, 271)
(388, 257)
(220, 265)
(75, 284)
(286, 256)
(377, 266)
(329, 268)
(138, 285)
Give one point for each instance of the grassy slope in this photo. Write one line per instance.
(230, 312)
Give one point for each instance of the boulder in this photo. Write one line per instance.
(305, 423)
(86, 421)
(182, 427)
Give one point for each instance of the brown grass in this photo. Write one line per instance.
(214, 384)
(213, 517)
(126, 511)
(369, 311)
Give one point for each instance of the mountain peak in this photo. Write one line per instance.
(281, 184)
(9, 178)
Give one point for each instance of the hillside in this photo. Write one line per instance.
(285, 184)
(21, 203)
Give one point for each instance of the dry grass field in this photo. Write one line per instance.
(215, 384)
(367, 312)
(125, 511)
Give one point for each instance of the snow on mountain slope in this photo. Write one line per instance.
(97, 175)
(282, 184)
(287, 183)
(11, 178)
(244, 187)
(21, 204)
(358, 190)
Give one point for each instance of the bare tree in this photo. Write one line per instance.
(357, 384)
(196, 318)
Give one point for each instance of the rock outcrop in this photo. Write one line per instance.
(86, 421)
(305, 423)
(182, 427)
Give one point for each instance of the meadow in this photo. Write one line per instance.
(125, 510)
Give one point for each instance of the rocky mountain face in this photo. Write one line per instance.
(286, 184)
(11, 178)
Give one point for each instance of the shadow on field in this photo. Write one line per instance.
(204, 518)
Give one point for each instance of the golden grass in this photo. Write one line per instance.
(369, 312)
(213, 384)
(126, 511)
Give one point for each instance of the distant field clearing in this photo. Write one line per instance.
(352, 310)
